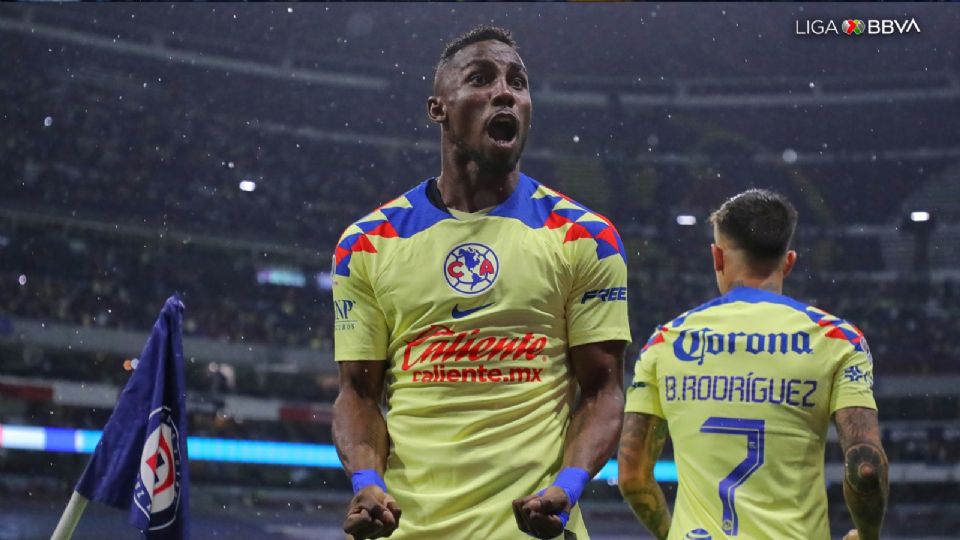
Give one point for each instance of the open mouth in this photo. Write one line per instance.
(502, 128)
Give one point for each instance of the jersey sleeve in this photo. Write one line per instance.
(360, 329)
(597, 305)
(643, 395)
(853, 380)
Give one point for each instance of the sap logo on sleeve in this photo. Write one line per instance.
(341, 312)
(342, 309)
(611, 294)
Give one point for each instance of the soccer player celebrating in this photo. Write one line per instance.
(746, 385)
(492, 310)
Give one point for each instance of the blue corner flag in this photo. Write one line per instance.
(140, 463)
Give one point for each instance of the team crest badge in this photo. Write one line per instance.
(157, 493)
(471, 268)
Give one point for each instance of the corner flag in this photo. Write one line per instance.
(140, 463)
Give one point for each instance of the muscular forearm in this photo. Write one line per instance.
(640, 446)
(865, 488)
(594, 428)
(360, 433)
(648, 503)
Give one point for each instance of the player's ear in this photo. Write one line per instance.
(436, 111)
(788, 261)
(717, 253)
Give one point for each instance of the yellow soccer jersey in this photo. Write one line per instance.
(475, 315)
(748, 383)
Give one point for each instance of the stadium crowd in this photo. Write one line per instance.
(102, 280)
(121, 141)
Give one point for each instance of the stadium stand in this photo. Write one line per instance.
(120, 172)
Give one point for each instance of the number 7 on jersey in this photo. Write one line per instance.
(753, 430)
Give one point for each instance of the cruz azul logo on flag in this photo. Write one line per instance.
(157, 492)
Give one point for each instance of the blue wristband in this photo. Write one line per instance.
(572, 480)
(366, 477)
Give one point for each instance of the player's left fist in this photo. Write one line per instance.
(372, 514)
(852, 534)
(543, 516)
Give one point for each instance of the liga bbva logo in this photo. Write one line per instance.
(157, 494)
(857, 27)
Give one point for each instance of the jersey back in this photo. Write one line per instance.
(748, 383)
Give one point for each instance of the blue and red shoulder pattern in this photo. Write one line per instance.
(538, 206)
(659, 335)
(837, 327)
(403, 217)
(655, 339)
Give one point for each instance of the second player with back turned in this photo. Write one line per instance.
(747, 384)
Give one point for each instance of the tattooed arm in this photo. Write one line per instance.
(865, 485)
(640, 445)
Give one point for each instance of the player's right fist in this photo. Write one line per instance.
(372, 514)
(542, 515)
(852, 534)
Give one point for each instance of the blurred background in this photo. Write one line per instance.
(219, 151)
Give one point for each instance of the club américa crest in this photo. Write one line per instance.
(157, 492)
(471, 268)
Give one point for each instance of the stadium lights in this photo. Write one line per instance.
(919, 216)
(686, 220)
(281, 275)
(248, 185)
(324, 280)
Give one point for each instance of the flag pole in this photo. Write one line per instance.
(70, 517)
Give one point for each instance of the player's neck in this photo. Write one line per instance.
(468, 189)
(772, 283)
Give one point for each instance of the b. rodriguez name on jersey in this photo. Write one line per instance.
(697, 345)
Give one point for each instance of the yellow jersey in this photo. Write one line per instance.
(748, 383)
(475, 314)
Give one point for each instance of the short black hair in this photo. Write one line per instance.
(760, 222)
(475, 35)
